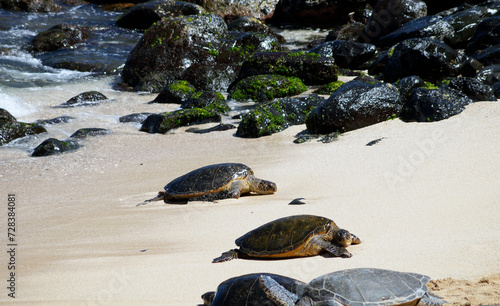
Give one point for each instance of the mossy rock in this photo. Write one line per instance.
(311, 68)
(209, 100)
(275, 116)
(59, 36)
(164, 122)
(53, 146)
(11, 129)
(266, 87)
(176, 92)
(86, 132)
(329, 88)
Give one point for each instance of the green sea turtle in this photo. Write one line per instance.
(214, 182)
(294, 236)
(245, 290)
(360, 287)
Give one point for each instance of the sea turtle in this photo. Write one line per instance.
(244, 290)
(214, 182)
(360, 287)
(294, 236)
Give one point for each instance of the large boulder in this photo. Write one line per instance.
(426, 105)
(355, 105)
(275, 116)
(11, 129)
(428, 58)
(464, 22)
(197, 48)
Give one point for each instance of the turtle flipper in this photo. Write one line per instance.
(160, 196)
(431, 299)
(337, 251)
(277, 293)
(226, 256)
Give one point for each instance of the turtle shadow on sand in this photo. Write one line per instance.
(212, 183)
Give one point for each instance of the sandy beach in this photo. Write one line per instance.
(424, 199)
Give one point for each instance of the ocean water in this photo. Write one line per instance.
(31, 90)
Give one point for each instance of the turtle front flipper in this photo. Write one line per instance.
(277, 293)
(227, 256)
(160, 196)
(337, 251)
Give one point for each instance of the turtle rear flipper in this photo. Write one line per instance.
(432, 299)
(277, 293)
(159, 197)
(226, 256)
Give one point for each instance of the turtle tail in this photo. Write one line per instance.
(159, 197)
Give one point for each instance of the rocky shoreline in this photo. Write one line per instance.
(421, 67)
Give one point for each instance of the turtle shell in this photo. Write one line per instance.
(208, 179)
(283, 236)
(368, 287)
(245, 290)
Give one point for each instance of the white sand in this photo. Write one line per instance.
(425, 199)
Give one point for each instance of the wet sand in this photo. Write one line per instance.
(424, 199)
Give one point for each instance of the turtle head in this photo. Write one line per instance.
(342, 237)
(208, 298)
(263, 187)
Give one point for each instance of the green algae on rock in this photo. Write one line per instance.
(266, 87)
(164, 122)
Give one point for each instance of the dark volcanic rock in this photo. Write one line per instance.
(53, 146)
(488, 56)
(57, 37)
(316, 12)
(418, 28)
(276, 116)
(169, 47)
(253, 25)
(473, 89)
(86, 132)
(143, 15)
(311, 68)
(176, 92)
(209, 100)
(31, 6)
(347, 54)
(164, 122)
(85, 98)
(195, 48)
(11, 129)
(390, 15)
(426, 105)
(408, 84)
(355, 105)
(135, 117)
(434, 7)
(487, 34)
(428, 58)
(57, 120)
(489, 75)
(266, 87)
(464, 22)
(231, 10)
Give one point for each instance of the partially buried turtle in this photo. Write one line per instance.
(361, 287)
(294, 236)
(214, 182)
(245, 290)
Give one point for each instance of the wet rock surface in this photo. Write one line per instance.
(11, 129)
(355, 105)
